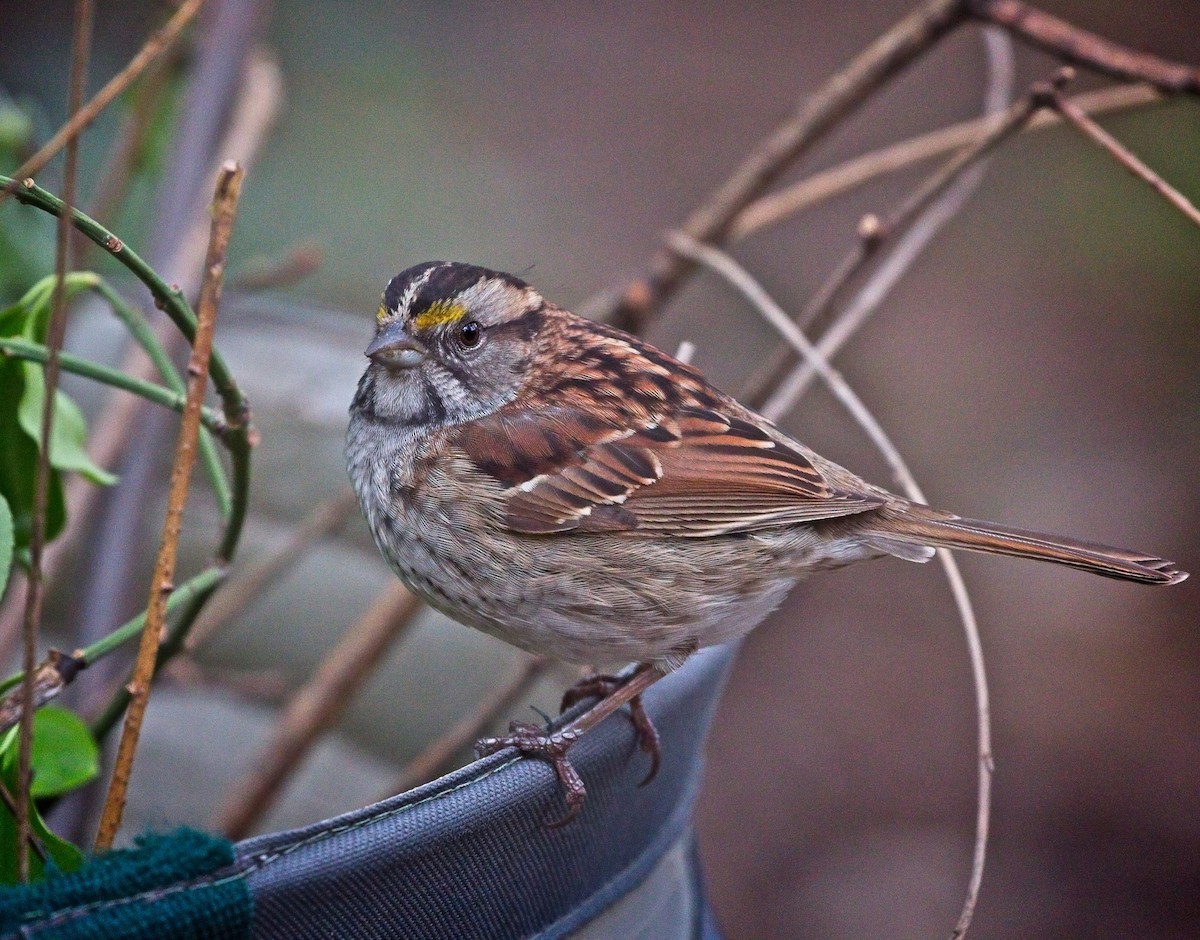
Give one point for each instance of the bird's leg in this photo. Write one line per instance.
(601, 685)
(553, 746)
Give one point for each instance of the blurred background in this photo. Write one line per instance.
(1037, 365)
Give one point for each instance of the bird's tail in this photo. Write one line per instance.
(916, 525)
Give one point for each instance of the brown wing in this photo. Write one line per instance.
(694, 473)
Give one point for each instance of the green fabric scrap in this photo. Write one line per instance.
(176, 886)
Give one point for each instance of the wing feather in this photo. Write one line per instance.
(693, 473)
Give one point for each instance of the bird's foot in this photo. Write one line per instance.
(551, 747)
(601, 686)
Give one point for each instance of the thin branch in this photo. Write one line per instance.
(838, 97)
(741, 279)
(326, 518)
(130, 142)
(316, 706)
(776, 207)
(1072, 44)
(167, 297)
(224, 210)
(1123, 155)
(54, 674)
(259, 102)
(78, 121)
(300, 261)
(875, 233)
(81, 44)
(145, 337)
(436, 758)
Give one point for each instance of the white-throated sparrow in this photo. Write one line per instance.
(573, 490)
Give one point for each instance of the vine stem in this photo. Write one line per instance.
(224, 209)
(30, 351)
(239, 437)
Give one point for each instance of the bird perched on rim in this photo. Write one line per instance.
(572, 490)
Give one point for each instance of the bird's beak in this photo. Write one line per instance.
(393, 346)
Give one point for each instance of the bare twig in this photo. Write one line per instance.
(1122, 154)
(79, 120)
(49, 679)
(325, 519)
(1069, 42)
(129, 143)
(299, 262)
(776, 207)
(467, 730)
(729, 269)
(224, 209)
(81, 42)
(316, 706)
(874, 233)
(838, 97)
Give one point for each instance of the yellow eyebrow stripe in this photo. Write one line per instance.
(442, 311)
(381, 314)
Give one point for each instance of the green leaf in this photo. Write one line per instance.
(65, 755)
(18, 462)
(63, 854)
(68, 434)
(66, 856)
(6, 543)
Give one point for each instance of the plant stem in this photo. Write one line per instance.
(36, 352)
(239, 435)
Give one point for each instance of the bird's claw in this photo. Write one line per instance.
(551, 747)
(600, 686)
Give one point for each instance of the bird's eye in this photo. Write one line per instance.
(470, 333)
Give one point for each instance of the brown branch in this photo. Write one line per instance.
(837, 98)
(436, 758)
(776, 207)
(79, 120)
(325, 519)
(81, 44)
(53, 675)
(1078, 46)
(224, 210)
(1123, 155)
(316, 706)
(874, 232)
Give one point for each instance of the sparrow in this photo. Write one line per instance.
(569, 488)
